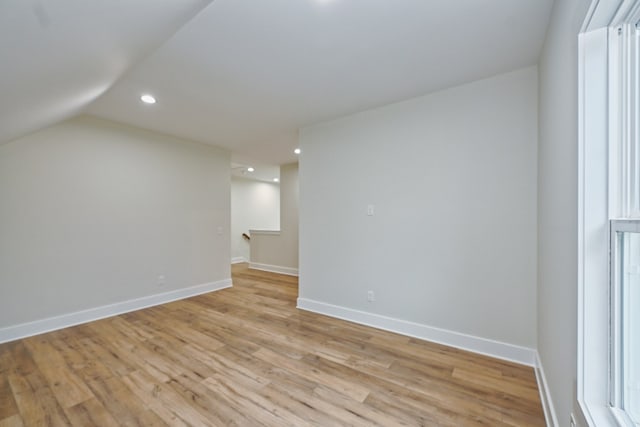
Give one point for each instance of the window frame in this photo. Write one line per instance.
(593, 234)
(608, 160)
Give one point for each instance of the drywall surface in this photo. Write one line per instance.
(281, 250)
(93, 213)
(450, 179)
(254, 205)
(558, 204)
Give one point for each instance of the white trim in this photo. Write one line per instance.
(545, 395)
(595, 131)
(24, 330)
(265, 232)
(238, 259)
(500, 350)
(274, 268)
(608, 13)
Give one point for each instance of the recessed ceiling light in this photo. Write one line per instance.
(276, 180)
(250, 169)
(297, 151)
(148, 99)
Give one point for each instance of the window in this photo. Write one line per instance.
(624, 186)
(625, 321)
(609, 216)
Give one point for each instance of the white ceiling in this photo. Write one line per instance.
(58, 56)
(247, 74)
(261, 171)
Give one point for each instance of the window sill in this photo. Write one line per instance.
(602, 416)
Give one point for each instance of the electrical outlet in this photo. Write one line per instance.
(371, 210)
(161, 282)
(371, 296)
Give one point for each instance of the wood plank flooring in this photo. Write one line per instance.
(246, 356)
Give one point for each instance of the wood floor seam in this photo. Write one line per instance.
(246, 356)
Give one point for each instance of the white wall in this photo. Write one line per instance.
(254, 205)
(92, 212)
(279, 251)
(558, 204)
(289, 215)
(452, 243)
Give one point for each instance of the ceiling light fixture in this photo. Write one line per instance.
(276, 180)
(148, 99)
(297, 151)
(250, 169)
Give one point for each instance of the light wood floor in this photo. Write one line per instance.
(245, 356)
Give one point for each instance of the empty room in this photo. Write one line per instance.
(319, 212)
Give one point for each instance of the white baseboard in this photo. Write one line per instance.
(274, 268)
(545, 396)
(238, 259)
(24, 330)
(500, 350)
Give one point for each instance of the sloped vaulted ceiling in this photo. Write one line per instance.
(247, 74)
(58, 56)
